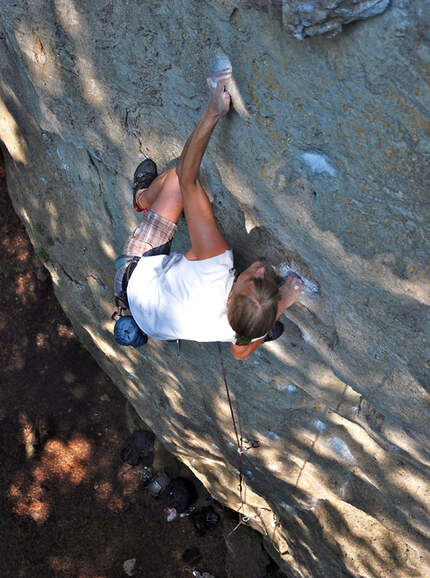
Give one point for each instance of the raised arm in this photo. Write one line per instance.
(288, 294)
(206, 239)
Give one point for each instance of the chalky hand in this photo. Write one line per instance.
(219, 97)
(291, 289)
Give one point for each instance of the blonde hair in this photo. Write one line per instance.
(254, 314)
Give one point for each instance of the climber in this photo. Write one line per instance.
(195, 296)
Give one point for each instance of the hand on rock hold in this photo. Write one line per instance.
(219, 98)
(291, 289)
(293, 283)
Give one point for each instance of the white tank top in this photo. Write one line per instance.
(171, 297)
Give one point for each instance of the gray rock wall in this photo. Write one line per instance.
(317, 17)
(330, 174)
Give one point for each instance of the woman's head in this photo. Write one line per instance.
(253, 302)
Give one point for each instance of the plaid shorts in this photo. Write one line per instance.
(151, 237)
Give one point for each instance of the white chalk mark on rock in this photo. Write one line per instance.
(340, 447)
(318, 163)
(306, 336)
(342, 489)
(289, 387)
(319, 424)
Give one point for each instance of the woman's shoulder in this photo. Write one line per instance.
(223, 258)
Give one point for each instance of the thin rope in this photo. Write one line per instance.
(239, 442)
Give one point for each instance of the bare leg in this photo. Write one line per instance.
(163, 196)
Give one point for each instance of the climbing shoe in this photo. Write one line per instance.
(143, 177)
(276, 332)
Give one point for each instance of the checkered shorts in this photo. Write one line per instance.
(151, 237)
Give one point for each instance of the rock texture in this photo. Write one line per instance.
(317, 17)
(330, 174)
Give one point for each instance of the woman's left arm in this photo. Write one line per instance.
(288, 293)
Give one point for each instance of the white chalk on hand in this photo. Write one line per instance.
(309, 286)
(221, 62)
(223, 75)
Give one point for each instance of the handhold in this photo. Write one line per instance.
(221, 62)
(310, 286)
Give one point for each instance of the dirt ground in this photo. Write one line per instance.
(68, 505)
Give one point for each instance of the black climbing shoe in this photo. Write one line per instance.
(276, 331)
(143, 177)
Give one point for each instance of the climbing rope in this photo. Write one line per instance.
(238, 440)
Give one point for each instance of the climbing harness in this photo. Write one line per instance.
(132, 263)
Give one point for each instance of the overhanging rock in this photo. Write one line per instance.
(317, 17)
(329, 174)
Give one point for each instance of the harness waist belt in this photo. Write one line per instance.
(126, 277)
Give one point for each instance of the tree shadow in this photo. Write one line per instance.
(315, 343)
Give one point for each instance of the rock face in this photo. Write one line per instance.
(317, 17)
(329, 174)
